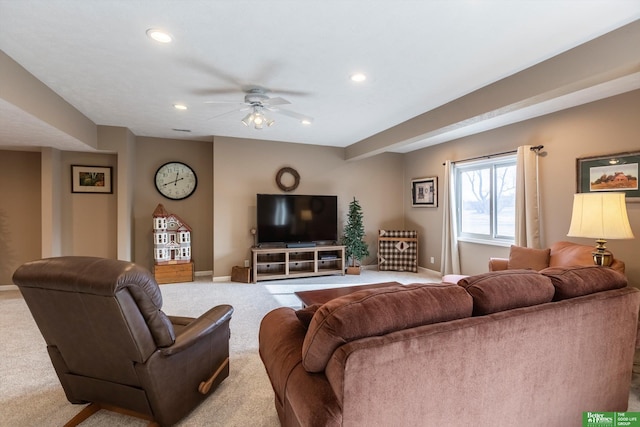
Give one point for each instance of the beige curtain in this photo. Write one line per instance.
(450, 259)
(527, 200)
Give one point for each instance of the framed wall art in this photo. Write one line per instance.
(424, 192)
(612, 172)
(91, 179)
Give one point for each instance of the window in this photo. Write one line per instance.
(485, 197)
(161, 254)
(160, 223)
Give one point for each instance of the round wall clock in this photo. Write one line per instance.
(176, 180)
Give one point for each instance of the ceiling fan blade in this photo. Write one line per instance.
(212, 92)
(276, 101)
(226, 113)
(224, 102)
(211, 70)
(297, 116)
(249, 88)
(290, 92)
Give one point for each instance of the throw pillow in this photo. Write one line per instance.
(528, 258)
(506, 290)
(306, 314)
(379, 311)
(575, 281)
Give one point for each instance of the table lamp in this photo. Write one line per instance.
(601, 216)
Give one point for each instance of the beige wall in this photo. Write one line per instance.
(231, 172)
(196, 210)
(599, 128)
(19, 211)
(88, 221)
(243, 168)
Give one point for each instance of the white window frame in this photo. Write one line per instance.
(186, 252)
(160, 238)
(492, 238)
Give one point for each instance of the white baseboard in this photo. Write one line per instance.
(420, 269)
(427, 270)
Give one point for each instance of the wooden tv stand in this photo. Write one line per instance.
(287, 263)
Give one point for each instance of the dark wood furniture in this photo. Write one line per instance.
(320, 296)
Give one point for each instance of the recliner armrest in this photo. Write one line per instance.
(200, 327)
(618, 266)
(498, 264)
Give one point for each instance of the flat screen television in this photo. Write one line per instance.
(297, 219)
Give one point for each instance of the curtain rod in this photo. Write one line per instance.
(488, 156)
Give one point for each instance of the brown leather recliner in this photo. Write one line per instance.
(111, 344)
(562, 254)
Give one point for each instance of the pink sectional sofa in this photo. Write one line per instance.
(515, 347)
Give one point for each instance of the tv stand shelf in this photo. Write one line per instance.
(287, 263)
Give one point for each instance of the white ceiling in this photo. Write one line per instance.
(417, 55)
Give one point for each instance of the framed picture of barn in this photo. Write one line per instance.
(612, 172)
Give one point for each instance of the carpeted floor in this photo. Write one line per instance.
(30, 394)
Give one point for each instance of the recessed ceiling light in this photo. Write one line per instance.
(358, 77)
(159, 35)
(179, 107)
(306, 122)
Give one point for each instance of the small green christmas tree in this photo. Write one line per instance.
(356, 248)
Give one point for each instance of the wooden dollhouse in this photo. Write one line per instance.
(171, 247)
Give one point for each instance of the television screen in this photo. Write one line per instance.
(293, 218)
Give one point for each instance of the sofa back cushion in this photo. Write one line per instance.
(379, 311)
(507, 289)
(305, 314)
(571, 282)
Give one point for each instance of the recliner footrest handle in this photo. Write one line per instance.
(205, 386)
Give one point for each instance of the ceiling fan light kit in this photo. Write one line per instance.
(257, 118)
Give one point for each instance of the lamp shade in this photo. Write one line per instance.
(600, 216)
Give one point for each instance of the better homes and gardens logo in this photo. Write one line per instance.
(611, 419)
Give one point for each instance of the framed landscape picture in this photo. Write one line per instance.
(91, 179)
(613, 172)
(424, 192)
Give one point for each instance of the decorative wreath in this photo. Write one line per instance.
(293, 173)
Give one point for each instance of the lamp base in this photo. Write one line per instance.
(601, 256)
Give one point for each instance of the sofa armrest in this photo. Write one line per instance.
(200, 327)
(301, 398)
(498, 264)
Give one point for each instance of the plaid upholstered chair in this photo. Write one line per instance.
(112, 346)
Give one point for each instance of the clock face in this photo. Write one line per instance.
(176, 181)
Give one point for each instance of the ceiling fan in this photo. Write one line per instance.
(258, 103)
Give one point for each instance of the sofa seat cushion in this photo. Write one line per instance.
(528, 258)
(508, 289)
(571, 282)
(378, 311)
